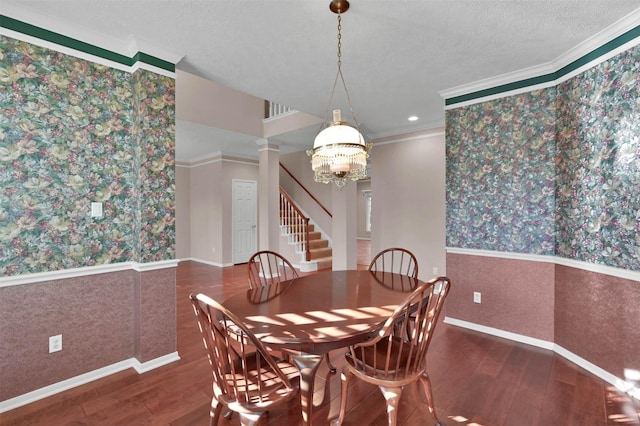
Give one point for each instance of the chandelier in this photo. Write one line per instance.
(339, 151)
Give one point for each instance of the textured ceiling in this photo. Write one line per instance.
(396, 55)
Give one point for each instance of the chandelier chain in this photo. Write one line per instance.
(335, 83)
(339, 40)
(346, 91)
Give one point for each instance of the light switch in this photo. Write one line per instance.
(96, 209)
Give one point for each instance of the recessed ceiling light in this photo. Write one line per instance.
(413, 118)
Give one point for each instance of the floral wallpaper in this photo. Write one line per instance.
(155, 150)
(598, 164)
(74, 132)
(554, 171)
(500, 174)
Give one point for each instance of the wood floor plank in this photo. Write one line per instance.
(523, 411)
(196, 417)
(564, 371)
(558, 404)
(500, 395)
(471, 399)
(587, 390)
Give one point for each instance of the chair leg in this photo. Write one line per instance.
(345, 377)
(392, 395)
(250, 419)
(331, 367)
(214, 414)
(426, 385)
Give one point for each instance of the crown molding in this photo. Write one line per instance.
(391, 133)
(620, 36)
(128, 55)
(216, 157)
(412, 136)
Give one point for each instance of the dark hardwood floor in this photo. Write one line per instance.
(477, 380)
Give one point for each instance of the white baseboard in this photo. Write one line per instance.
(140, 367)
(622, 384)
(208, 262)
(143, 367)
(500, 333)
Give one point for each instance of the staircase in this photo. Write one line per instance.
(314, 251)
(319, 249)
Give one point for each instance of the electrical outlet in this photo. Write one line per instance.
(477, 297)
(55, 343)
(435, 271)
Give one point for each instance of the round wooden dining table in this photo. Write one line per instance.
(311, 315)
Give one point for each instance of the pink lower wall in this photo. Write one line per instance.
(592, 315)
(104, 319)
(597, 317)
(157, 314)
(517, 295)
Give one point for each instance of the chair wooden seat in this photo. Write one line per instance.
(383, 362)
(260, 386)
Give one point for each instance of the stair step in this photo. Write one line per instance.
(311, 226)
(293, 229)
(320, 252)
(315, 244)
(312, 236)
(324, 262)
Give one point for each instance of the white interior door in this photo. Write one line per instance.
(245, 222)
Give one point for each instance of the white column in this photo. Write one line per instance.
(268, 195)
(345, 227)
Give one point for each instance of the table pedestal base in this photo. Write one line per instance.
(308, 365)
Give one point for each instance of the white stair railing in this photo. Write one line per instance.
(276, 109)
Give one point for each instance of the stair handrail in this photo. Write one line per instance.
(306, 190)
(295, 221)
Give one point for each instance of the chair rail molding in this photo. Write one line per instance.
(577, 264)
(85, 271)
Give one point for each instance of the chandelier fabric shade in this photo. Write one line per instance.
(339, 151)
